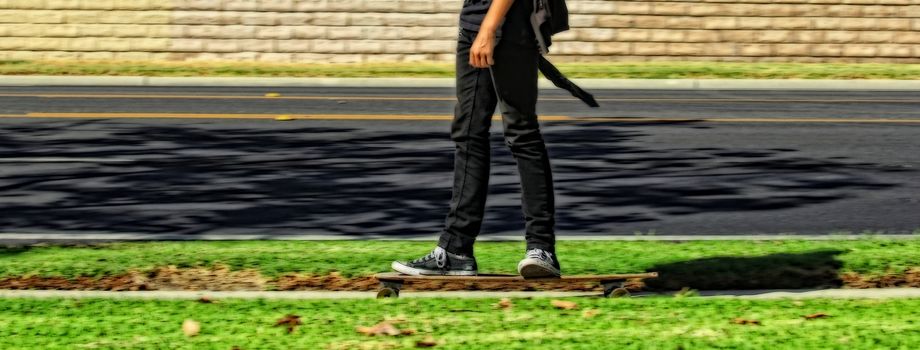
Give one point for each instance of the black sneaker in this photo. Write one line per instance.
(438, 262)
(539, 263)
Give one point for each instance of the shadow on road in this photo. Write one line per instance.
(199, 177)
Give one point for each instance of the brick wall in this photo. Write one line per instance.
(347, 31)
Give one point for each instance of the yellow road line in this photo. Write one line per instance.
(416, 98)
(758, 120)
(450, 117)
(705, 100)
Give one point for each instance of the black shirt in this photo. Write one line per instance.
(472, 13)
(516, 24)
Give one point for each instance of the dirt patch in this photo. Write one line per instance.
(222, 278)
(332, 281)
(122, 282)
(910, 278)
(218, 277)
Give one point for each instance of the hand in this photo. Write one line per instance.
(482, 48)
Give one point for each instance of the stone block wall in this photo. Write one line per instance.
(353, 31)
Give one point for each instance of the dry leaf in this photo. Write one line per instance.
(428, 342)
(563, 304)
(504, 304)
(590, 313)
(817, 315)
(745, 321)
(191, 328)
(686, 292)
(382, 328)
(290, 322)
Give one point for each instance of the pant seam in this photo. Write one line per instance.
(466, 157)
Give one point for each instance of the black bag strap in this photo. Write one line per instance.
(554, 75)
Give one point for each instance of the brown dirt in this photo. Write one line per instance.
(163, 278)
(222, 278)
(910, 278)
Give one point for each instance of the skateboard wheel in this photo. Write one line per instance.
(617, 293)
(387, 293)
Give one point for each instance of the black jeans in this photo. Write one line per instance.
(515, 70)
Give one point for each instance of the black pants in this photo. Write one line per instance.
(515, 71)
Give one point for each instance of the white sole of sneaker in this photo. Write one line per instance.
(535, 268)
(419, 272)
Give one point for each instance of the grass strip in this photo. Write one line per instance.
(621, 70)
(869, 256)
(595, 323)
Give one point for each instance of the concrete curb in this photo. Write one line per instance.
(881, 293)
(653, 84)
(28, 238)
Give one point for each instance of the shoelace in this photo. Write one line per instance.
(541, 254)
(440, 256)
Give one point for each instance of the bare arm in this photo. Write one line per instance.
(481, 50)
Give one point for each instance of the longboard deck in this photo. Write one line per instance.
(395, 276)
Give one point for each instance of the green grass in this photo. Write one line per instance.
(640, 323)
(627, 70)
(869, 256)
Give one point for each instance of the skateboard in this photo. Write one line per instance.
(392, 282)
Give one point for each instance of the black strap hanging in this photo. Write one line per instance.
(554, 75)
(545, 24)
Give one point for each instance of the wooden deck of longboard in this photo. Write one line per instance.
(395, 276)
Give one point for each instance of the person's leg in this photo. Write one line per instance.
(476, 102)
(473, 112)
(515, 71)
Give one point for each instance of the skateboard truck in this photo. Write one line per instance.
(615, 289)
(389, 289)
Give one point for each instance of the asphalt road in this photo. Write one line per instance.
(208, 161)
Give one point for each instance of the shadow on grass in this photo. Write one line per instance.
(11, 250)
(817, 269)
